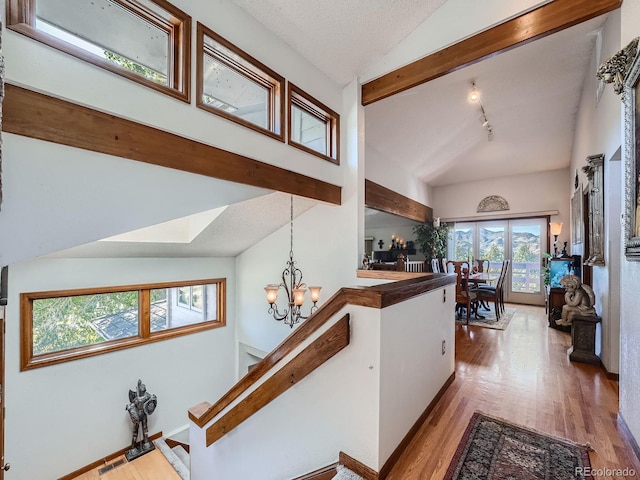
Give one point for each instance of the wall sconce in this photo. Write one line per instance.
(555, 229)
(436, 222)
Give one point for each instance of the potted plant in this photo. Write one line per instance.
(432, 240)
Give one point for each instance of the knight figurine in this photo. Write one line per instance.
(141, 404)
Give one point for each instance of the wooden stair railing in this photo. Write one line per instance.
(378, 296)
(318, 352)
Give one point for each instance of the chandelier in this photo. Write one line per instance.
(294, 289)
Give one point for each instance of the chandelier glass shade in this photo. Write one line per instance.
(295, 290)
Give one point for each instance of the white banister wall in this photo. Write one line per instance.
(412, 366)
(362, 401)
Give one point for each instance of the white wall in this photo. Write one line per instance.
(598, 130)
(412, 366)
(629, 298)
(70, 414)
(68, 178)
(535, 192)
(362, 401)
(328, 244)
(333, 409)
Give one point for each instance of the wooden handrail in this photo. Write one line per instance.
(322, 349)
(377, 296)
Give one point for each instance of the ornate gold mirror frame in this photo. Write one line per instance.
(631, 99)
(623, 71)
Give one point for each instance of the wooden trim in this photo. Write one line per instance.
(175, 443)
(389, 274)
(43, 117)
(413, 431)
(21, 11)
(324, 473)
(374, 297)
(357, 467)
(626, 433)
(332, 123)
(29, 361)
(382, 198)
(102, 461)
(326, 346)
(276, 113)
(540, 22)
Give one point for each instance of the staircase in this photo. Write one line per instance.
(177, 454)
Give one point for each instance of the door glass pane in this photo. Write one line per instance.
(491, 246)
(525, 269)
(463, 243)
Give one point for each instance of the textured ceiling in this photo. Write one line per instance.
(238, 227)
(342, 38)
(530, 95)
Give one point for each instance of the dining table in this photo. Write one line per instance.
(488, 278)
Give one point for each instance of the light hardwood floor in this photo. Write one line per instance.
(151, 466)
(522, 374)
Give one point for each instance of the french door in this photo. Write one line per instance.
(523, 241)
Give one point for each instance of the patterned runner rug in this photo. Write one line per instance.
(490, 319)
(495, 449)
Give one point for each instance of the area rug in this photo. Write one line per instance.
(490, 319)
(495, 449)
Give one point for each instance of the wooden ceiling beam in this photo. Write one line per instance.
(538, 23)
(51, 119)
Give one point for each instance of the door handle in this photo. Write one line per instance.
(6, 467)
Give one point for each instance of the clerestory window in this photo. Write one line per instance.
(147, 41)
(59, 326)
(313, 127)
(236, 86)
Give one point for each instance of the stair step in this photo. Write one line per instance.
(176, 462)
(345, 474)
(183, 455)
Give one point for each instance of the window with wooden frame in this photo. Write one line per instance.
(63, 325)
(236, 86)
(147, 41)
(313, 127)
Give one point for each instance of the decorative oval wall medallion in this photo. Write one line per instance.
(493, 203)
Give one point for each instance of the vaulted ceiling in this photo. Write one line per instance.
(530, 96)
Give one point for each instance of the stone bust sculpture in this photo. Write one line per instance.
(579, 300)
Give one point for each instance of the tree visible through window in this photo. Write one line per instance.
(150, 45)
(64, 325)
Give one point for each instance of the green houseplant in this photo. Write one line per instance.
(432, 241)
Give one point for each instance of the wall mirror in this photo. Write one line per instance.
(631, 100)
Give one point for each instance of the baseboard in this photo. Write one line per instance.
(103, 461)
(629, 436)
(609, 375)
(324, 473)
(413, 431)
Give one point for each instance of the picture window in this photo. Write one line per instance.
(59, 326)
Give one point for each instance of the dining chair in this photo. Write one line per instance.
(435, 265)
(466, 298)
(482, 265)
(495, 294)
(444, 265)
